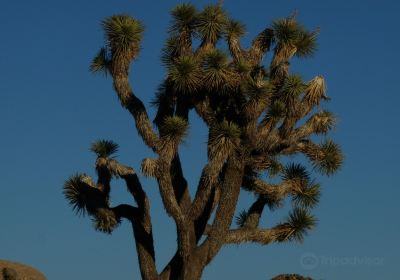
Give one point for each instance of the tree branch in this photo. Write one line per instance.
(141, 222)
(262, 236)
(230, 190)
(277, 192)
(185, 231)
(261, 44)
(209, 177)
(126, 211)
(120, 74)
(173, 268)
(204, 111)
(254, 213)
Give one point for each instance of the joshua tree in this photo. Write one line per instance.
(254, 115)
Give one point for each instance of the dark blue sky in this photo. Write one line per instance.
(52, 108)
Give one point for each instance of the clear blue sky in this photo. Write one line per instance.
(52, 108)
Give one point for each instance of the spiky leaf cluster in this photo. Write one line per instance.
(223, 139)
(174, 129)
(306, 44)
(295, 171)
(105, 221)
(170, 51)
(241, 218)
(293, 86)
(185, 74)
(288, 31)
(123, 34)
(235, 29)
(331, 158)
(258, 94)
(298, 223)
(322, 122)
(104, 148)
(184, 18)
(217, 75)
(215, 59)
(305, 192)
(101, 62)
(211, 23)
(307, 196)
(78, 193)
(276, 110)
(242, 67)
(274, 167)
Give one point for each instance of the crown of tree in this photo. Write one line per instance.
(254, 112)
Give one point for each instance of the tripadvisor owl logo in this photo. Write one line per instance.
(309, 261)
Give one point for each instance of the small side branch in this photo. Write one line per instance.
(254, 213)
(135, 106)
(261, 236)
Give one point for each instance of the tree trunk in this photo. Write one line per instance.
(192, 269)
(145, 251)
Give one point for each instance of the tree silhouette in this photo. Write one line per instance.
(254, 115)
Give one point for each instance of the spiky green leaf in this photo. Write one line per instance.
(223, 139)
(298, 223)
(100, 62)
(185, 74)
(293, 86)
(235, 28)
(123, 33)
(82, 195)
(286, 30)
(73, 192)
(258, 95)
(306, 44)
(211, 23)
(331, 158)
(301, 221)
(225, 129)
(277, 110)
(241, 218)
(307, 196)
(295, 171)
(215, 59)
(242, 67)
(274, 168)
(171, 51)
(184, 18)
(104, 148)
(174, 128)
(217, 76)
